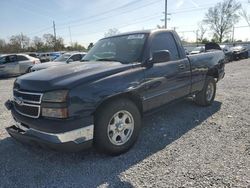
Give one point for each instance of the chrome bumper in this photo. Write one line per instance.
(78, 136)
(71, 141)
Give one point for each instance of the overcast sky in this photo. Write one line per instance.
(89, 20)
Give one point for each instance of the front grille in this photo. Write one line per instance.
(27, 103)
(28, 110)
(28, 96)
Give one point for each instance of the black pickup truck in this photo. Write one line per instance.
(100, 101)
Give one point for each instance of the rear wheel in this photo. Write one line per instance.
(117, 125)
(207, 95)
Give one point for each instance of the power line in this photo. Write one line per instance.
(40, 31)
(119, 27)
(91, 20)
(110, 11)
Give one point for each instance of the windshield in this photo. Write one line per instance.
(63, 58)
(125, 49)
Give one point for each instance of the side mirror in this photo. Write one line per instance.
(161, 56)
(70, 60)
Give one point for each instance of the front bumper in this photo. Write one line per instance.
(75, 139)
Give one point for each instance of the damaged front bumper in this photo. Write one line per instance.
(72, 140)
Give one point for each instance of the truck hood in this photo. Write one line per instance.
(68, 76)
(46, 65)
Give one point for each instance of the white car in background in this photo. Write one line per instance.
(16, 64)
(198, 50)
(66, 58)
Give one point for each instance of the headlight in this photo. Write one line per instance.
(55, 96)
(55, 112)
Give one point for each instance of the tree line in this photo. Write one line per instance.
(22, 43)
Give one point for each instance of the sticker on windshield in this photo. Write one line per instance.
(136, 36)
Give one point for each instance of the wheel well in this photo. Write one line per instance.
(213, 72)
(132, 97)
(28, 69)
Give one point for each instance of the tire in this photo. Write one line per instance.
(28, 70)
(115, 118)
(246, 55)
(204, 97)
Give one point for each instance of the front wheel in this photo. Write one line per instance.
(117, 126)
(206, 96)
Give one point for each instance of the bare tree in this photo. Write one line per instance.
(76, 46)
(52, 43)
(246, 16)
(2, 43)
(49, 40)
(19, 42)
(59, 44)
(222, 17)
(201, 31)
(38, 43)
(111, 32)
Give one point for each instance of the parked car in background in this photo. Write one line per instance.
(198, 50)
(45, 57)
(16, 64)
(239, 52)
(55, 55)
(228, 52)
(63, 59)
(32, 54)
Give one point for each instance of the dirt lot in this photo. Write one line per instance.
(183, 145)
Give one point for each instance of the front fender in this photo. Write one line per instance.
(85, 99)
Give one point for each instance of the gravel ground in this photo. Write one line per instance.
(182, 145)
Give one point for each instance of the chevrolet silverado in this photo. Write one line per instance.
(101, 100)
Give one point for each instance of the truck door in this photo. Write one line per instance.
(166, 81)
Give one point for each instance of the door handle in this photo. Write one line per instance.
(181, 66)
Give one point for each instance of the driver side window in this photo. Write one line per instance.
(165, 41)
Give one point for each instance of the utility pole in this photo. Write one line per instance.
(54, 27)
(166, 14)
(22, 45)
